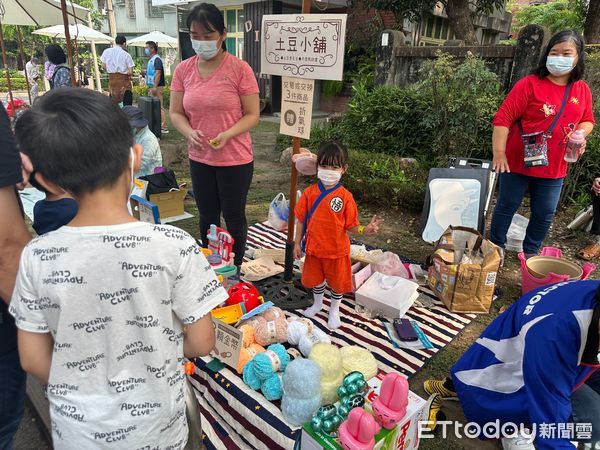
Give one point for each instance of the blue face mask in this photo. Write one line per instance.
(560, 65)
(147, 51)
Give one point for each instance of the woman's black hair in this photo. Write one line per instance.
(559, 38)
(209, 16)
(332, 153)
(55, 54)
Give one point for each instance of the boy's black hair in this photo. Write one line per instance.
(76, 138)
(153, 45)
(210, 17)
(55, 54)
(120, 39)
(564, 36)
(332, 153)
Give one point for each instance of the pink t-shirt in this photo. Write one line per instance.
(213, 105)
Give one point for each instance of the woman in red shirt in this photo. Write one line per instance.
(535, 101)
(214, 104)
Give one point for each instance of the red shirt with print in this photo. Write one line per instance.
(536, 101)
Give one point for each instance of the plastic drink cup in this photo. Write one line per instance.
(574, 146)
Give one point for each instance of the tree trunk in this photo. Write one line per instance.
(592, 23)
(461, 22)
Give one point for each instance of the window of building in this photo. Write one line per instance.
(130, 8)
(153, 12)
(435, 31)
(234, 21)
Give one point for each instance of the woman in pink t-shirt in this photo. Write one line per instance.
(214, 104)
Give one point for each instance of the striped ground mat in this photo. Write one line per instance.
(235, 417)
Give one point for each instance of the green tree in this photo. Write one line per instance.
(592, 23)
(460, 12)
(556, 16)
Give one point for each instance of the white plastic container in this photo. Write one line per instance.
(516, 233)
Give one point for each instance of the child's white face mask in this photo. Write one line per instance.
(329, 177)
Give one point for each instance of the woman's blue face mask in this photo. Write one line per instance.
(560, 65)
(147, 51)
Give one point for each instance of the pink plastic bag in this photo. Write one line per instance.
(389, 264)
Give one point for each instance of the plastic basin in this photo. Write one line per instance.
(541, 266)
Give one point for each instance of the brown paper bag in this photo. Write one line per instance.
(462, 270)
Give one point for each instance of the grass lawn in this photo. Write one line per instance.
(399, 234)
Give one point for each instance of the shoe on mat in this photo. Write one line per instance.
(437, 387)
(518, 443)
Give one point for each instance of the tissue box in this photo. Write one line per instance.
(387, 295)
(404, 437)
(360, 274)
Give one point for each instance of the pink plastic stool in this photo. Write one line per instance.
(529, 282)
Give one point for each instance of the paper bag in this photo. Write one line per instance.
(462, 270)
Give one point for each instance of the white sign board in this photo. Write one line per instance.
(303, 45)
(296, 106)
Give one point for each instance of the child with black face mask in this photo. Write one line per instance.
(54, 211)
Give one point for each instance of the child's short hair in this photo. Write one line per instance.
(76, 138)
(332, 153)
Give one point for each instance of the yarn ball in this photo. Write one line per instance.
(299, 411)
(355, 358)
(246, 354)
(272, 387)
(273, 313)
(302, 379)
(308, 341)
(247, 334)
(249, 376)
(296, 329)
(329, 359)
(329, 389)
(274, 360)
(271, 332)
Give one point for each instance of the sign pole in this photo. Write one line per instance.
(288, 274)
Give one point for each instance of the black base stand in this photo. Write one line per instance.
(286, 290)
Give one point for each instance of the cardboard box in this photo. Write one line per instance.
(143, 210)
(404, 437)
(361, 272)
(387, 296)
(169, 204)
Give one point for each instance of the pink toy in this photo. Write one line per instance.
(358, 431)
(220, 243)
(529, 282)
(390, 406)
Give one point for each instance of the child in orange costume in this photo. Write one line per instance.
(326, 212)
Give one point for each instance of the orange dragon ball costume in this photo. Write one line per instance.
(327, 241)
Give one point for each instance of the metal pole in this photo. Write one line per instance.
(95, 58)
(20, 37)
(63, 7)
(288, 274)
(5, 61)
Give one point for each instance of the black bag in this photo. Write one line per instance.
(535, 145)
(160, 182)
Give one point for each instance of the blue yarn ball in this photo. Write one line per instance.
(298, 411)
(263, 364)
(249, 376)
(302, 379)
(272, 388)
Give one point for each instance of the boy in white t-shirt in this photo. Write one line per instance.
(102, 302)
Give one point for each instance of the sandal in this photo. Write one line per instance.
(590, 252)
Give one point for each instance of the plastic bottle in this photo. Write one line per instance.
(574, 146)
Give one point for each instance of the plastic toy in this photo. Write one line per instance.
(229, 314)
(358, 431)
(246, 294)
(390, 407)
(354, 383)
(326, 419)
(220, 246)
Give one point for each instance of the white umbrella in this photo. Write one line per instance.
(162, 39)
(79, 33)
(39, 12)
